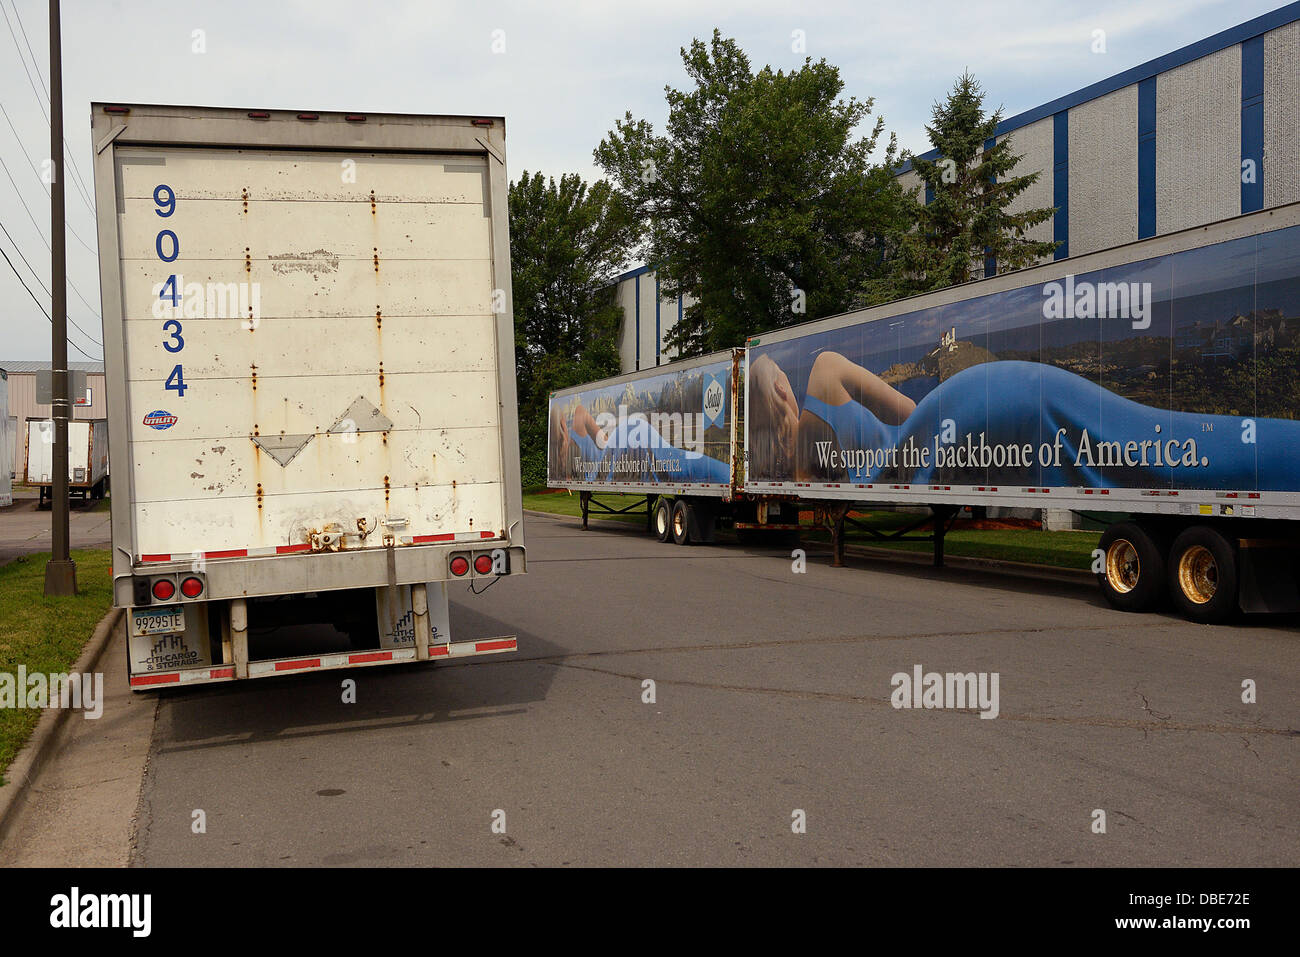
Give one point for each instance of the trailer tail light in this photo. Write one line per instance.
(164, 589)
(259, 115)
(355, 117)
(308, 117)
(483, 563)
(481, 122)
(460, 566)
(192, 587)
(117, 109)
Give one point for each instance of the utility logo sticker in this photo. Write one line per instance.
(160, 420)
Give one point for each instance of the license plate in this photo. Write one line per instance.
(163, 620)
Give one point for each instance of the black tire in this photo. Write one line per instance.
(1132, 575)
(681, 522)
(1203, 575)
(664, 520)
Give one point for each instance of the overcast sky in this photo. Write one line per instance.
(568, 70)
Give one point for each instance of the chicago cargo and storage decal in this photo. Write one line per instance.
(1177, 372)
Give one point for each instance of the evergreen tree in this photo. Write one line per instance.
(969, 219)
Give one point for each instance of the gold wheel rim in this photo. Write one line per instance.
(679, 524)
(1123, 568)
(1198, 574)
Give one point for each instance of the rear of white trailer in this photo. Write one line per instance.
(87, 458)
(6, 443)
(309, 356)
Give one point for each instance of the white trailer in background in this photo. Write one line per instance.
(6, 444)
(309, 351)
(87, 458)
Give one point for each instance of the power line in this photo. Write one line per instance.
(19, 251)
(39, 102)
(42, 308)
(72, 167)
(35, 274)
(44, 186)
(23, 61)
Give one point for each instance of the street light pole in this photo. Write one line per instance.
(61, 572)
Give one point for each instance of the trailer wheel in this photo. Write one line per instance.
(663, 520)
(1132, 575)
(1203, 575)
(681, 522)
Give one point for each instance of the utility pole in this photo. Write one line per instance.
(61, 572)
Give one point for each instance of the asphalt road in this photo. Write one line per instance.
(772, 695)
(25, 529)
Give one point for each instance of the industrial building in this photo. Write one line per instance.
(23, 404)
(1204, 133)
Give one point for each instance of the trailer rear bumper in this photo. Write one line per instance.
(357, 659)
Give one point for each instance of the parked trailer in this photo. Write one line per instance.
(670, 437)
(310, 374)
(87, 458)
(1156, 380)
(6, 444)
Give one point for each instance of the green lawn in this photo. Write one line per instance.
(46, 635)
(562, 503)
(1057, 549)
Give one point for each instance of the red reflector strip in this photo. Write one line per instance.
(172, 678)
(439, 651)
(295, 665)
(495, 645)
(229, 553)
(361, 659)
(155, 558)
(286, 549)
(222, 673)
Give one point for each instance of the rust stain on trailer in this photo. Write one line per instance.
(376, 248)
(373, 209)
(245, 198)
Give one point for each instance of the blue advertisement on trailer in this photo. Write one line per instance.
(1178, 372)
(670, 428)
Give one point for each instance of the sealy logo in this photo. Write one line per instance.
(713, 399)
(160, 420)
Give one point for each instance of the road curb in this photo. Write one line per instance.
(36, 753)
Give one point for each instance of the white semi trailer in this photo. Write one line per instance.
(310, 372)
(87, 458)
(6, 443)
